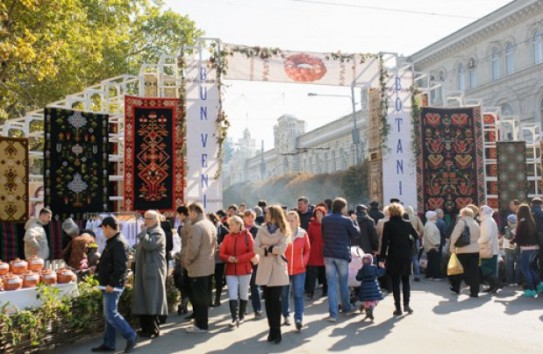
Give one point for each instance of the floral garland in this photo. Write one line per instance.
(415, 120)
(385, 126)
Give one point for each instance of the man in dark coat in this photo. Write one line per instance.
(368, 240)
(112, 273)
(374, 212)
(305, 212)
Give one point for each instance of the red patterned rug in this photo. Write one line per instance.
(154, 166)
(450, 164)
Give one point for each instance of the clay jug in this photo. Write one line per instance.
(12, 282)
(35, 263)
(48, 277)
(65, 276)
(4, 268)
(30, 279)
(18, 266)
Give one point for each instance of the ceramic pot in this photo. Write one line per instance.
(12, 282)
(18, 266)
(48, 277)
(30, 279)
(35, 263)
(65, 276)
(4, 268)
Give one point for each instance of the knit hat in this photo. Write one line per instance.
(367, 258)
(512, 219)
(430, 215)
(70, 227)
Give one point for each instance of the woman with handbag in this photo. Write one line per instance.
(489, 249)
(468, 255)
(270, 245)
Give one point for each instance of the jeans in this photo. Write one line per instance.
(512, 266)
(298, 283)
(529, 268)
(114, 320)
(255, 292)
(416, 264)
(337, 271)
(240, 282)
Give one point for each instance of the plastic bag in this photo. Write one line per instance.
(354, 266)
(454, 267)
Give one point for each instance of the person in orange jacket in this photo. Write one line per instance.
(236, 251)
(297, 254)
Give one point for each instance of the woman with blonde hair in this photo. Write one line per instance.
(236, 251)
(270, 244)
(397, 254)
(297, 254)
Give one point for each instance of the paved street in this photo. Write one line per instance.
(441, 323)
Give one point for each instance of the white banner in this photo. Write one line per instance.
(201, 142)
(300, 67)
(399, 164)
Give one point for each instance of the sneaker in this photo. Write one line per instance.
(195, 329)
(529, 293)
(454, 292)
(130, 344)
(298, 326)
(258, 314)
(350, 312)
(102, 348)
(286, 322)
(331, 319)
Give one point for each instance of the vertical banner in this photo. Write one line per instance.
(202, 147)
(399, 178)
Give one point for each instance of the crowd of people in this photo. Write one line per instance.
(273, 253)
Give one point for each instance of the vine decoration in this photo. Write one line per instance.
(415, 119)
(385, 126)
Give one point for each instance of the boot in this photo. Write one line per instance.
(369, 313)
(277, 337)
(494, 286)
(217, 302)
(234, 313)
(398, 310)
(242, 310)
(407, 309)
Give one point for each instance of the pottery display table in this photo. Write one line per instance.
(27, 297)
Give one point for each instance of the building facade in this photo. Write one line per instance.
(326, 149)
(496, 61)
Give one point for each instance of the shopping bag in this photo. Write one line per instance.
(454, 267)
(354, 266)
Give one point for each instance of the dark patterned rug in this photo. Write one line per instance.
(154, 172)
(450, 165)
(13, 179)
(512, 178)
(76, 162)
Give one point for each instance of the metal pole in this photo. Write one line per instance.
(356, 135)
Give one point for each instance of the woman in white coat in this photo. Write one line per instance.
(488, 248)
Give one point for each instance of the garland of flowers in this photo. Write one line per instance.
(385, 126)
(182, 111)
(415, 120)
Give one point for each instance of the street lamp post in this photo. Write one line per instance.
(355, 132)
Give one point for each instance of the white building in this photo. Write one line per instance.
(495, 61)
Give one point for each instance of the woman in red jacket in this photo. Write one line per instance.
(236, 251)
(315, 266)
(297, 254)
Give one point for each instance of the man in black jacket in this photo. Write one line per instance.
(112, 273)
(368, 241)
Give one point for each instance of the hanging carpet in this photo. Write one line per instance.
(154, 172)
(76, 162)
(13, 179)
(512, 177)
(450, 163)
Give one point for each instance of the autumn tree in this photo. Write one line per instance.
(51, 48)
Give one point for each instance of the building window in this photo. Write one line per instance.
(495, 64)
(507, 110)
(538, 47)
(509, 59)
(460, 78)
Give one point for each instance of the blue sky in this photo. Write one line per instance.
(349, 26)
